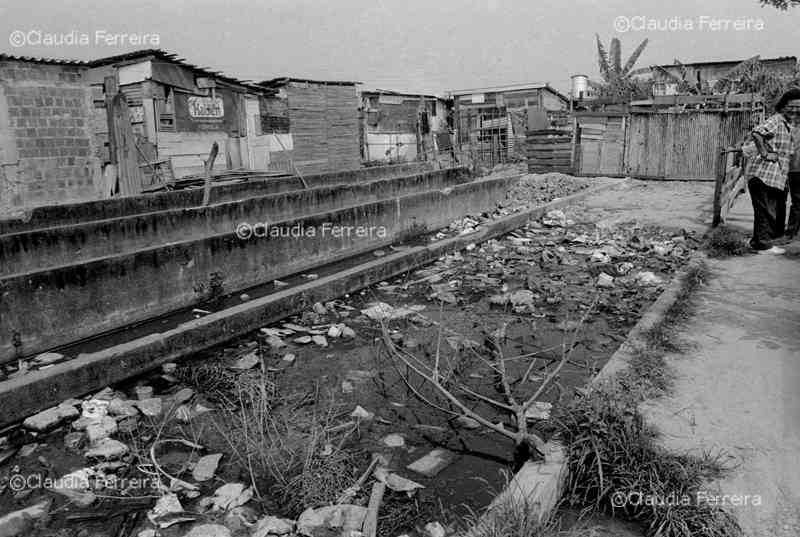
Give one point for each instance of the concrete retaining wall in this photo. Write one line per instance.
(54, 247)
(45, 309)
(73, 213)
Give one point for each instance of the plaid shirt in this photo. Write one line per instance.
(777, 133)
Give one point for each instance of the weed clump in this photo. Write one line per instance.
(726, 242)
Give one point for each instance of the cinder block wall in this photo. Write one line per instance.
(47, 152)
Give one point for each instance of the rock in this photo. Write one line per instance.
(434, 529)
(334, 331)
(393, 441)
(169, 368)
(271, 525)
(248, 361)
(465, 422)
(522, 297)
(343, 518)
(360, 413)
(275, 342)
(209, 530)
(348, 332)
(76, 487)
(50, 418)
(206, 467)
(150, 407)
(319, 309)
(107, 448)
(302, 340)
(144, 392)
(648, 278)
(396, 482)
(23, 521)
(605, 281)
(231, 495)
(320, 340)
(48, 358)
(27, 450)
(74, 441)
(434, 462)
(289, 358)
(184, 395)
(122, 407)
(540, 410)
(100, 429)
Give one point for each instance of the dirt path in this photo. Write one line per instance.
(736, 388)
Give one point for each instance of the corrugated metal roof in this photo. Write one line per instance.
(167, 56)
(733, 62)
(32, 59)
(509, 87)
(282, 81)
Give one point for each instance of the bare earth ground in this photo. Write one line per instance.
(737, 387)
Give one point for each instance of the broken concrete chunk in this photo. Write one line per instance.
(23, 521)
(122, 408)
(206, 467)
(107, 448)
(48, 358)
(345, 518)
(604, 280)
(433, 463)
(76, 487)
(320, 340)
(271, 525)
(209, 530)
(50, 418)
(100, 429)
(150, 407)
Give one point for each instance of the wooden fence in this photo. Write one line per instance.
(672, 145)
(731, 181)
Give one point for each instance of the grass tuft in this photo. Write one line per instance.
(726, 242)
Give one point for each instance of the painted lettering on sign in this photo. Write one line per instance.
(206, 107)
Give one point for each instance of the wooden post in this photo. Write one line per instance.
(371, 521)
(208, 165)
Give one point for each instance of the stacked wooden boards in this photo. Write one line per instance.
(324, 123)
(549, 150)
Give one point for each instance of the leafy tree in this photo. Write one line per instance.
(617, 78)
(781, 4)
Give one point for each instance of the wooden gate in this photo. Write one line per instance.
(600, 143)
(683, 145)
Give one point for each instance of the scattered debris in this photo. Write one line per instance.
(433, 463)
(206, 467)
(231, 495)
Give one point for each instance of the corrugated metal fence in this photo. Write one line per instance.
(662, 145)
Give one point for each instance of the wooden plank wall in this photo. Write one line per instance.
(549, 150)
(325, 127)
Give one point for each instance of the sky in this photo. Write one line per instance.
(405, 45)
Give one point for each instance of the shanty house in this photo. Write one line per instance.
(47, 147)
(178, 110)
(322, 119)
(402, 126)
(491, 122)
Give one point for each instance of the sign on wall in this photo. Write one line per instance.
(206, 107)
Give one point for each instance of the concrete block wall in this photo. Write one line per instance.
(48, 154)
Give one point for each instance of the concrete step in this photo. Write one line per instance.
(49, 308)
(64, 245)
(49, 216)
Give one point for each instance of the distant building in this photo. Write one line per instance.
(490, 122)
(48, 153)
(402, 126)
(709, 72)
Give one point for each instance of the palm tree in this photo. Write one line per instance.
(618, 81)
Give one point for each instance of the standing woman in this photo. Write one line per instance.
(794, 184)
(768, 171)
